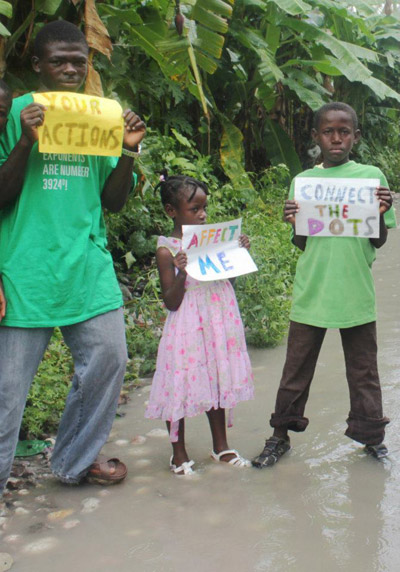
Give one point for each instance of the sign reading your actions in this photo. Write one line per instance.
(80, 124)
(337, 207)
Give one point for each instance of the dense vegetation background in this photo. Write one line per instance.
(227, 89)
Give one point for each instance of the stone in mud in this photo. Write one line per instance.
(134, 532)
(59, 514)
(14, 483)
(37, 527)
(90, 504)
(139, 451)
(141, 463)
(158, 433)
(12, 538)
(138, 440)
(6, 561)
(143, 491)
(21, 511)
(143, 479)
(41, 545)
(71, 523)
(121, 442)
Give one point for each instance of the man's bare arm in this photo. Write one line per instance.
(12, 172)
(118, 184)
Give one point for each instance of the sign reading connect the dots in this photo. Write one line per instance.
(80, 124)
(213, 251)
(337, 207)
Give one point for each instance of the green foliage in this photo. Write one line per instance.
(388, 160)
(264, 296)
(370, 150)
(144, 318)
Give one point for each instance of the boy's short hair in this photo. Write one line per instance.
(6, 90)
(58, 31)
(335, 106)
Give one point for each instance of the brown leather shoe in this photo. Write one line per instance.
(106, 471)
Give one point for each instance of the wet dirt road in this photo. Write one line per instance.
(325, 506)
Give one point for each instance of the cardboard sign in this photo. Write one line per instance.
(80, 124)
(213, 251)
(337, 207)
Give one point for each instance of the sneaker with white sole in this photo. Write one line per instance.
(378, 451)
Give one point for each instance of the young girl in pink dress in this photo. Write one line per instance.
(202, 363)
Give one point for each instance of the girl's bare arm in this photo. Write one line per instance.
(172, 282)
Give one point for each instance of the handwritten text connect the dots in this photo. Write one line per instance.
(337, 207)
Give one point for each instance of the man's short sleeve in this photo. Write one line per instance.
(108, 165)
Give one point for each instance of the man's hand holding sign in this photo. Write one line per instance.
(77, 123)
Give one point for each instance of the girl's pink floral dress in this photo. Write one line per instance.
(202, 360)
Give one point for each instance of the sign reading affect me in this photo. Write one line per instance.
(337, 207)
(80, 124)
(213, 251)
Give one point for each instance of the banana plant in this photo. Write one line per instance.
(295, 55)
(186, 40)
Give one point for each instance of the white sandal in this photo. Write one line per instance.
(183, 470)
(237, 461)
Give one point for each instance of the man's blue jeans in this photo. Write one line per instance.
(98, 349)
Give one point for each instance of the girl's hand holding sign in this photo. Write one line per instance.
(180, 261)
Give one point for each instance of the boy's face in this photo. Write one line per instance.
(62, 66)
(5, 106)
(335, 136)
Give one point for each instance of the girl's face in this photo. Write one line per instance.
(193, 211)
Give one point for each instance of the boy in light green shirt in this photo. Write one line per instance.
(333, 288)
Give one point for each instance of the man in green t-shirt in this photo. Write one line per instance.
(333, 288)
(56, 270)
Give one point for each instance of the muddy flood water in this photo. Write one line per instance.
(326, 506)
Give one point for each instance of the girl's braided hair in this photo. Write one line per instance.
(172, 187)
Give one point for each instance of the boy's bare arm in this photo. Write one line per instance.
(385, 199)
(118, 184)
(12, 172)
(289, 215)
